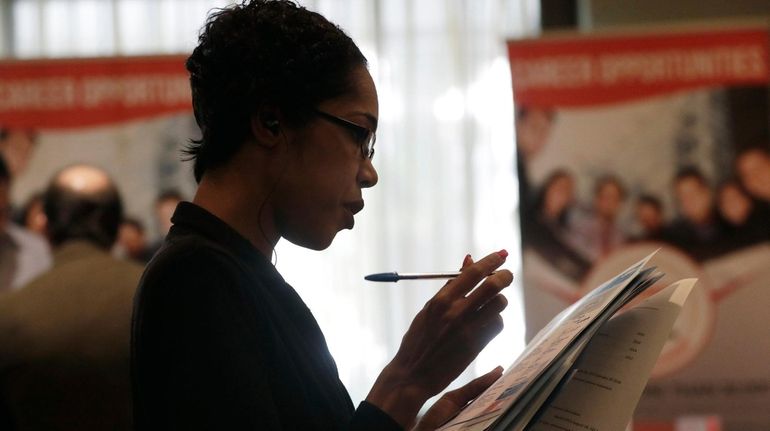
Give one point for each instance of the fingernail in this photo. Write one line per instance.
(503, 253)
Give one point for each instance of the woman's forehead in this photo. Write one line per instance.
(361, 98)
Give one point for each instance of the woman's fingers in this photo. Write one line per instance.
(448, 333)
(474, 331)
(487, 322)
(466, 262)
(450, 403)
(462, 396)
(488, 289)
(472, 275)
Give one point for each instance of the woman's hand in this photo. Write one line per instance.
(452, 402)
(443, 339)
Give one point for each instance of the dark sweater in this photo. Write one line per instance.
(221, 341)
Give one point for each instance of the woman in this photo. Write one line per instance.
(288, 113)
(546, 230)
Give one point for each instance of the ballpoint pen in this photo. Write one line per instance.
(394, 276)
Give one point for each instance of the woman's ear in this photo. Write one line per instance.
(266, 127)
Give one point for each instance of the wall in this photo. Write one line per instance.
(595, 14)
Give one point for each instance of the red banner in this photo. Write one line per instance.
(49, 94)
(584, 71)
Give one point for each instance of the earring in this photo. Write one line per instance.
(272, 125)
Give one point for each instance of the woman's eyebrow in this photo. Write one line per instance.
(370, 117)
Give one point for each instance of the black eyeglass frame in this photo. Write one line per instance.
(365, 137)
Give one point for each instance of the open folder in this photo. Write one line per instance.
(587, 368)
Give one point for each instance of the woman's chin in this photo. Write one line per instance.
(315, 242)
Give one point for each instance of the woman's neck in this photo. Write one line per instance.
(230, 201)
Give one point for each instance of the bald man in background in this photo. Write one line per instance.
(64, 338)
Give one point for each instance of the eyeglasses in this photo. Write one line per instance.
(363, 136)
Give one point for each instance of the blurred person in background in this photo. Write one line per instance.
(698, 229)
(64, 338)
(17, 146)
(32, 216)
(165, 204)
(132, 241)
(753, 168)
(596, 230)
(744, 223)
(23, 254)
(547, 230)
(556, 199)
(649, 218)
(533, 129)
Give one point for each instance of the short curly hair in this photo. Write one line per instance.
(257, 53)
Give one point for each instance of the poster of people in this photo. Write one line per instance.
(633, 141)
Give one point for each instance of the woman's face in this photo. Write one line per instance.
(754, 171)
(532, 131)
(649, 217)
(608, 200)
(320, 190)
(558, 196)
(694, 199)
(35, 219)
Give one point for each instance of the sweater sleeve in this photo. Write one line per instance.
(370, 418)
